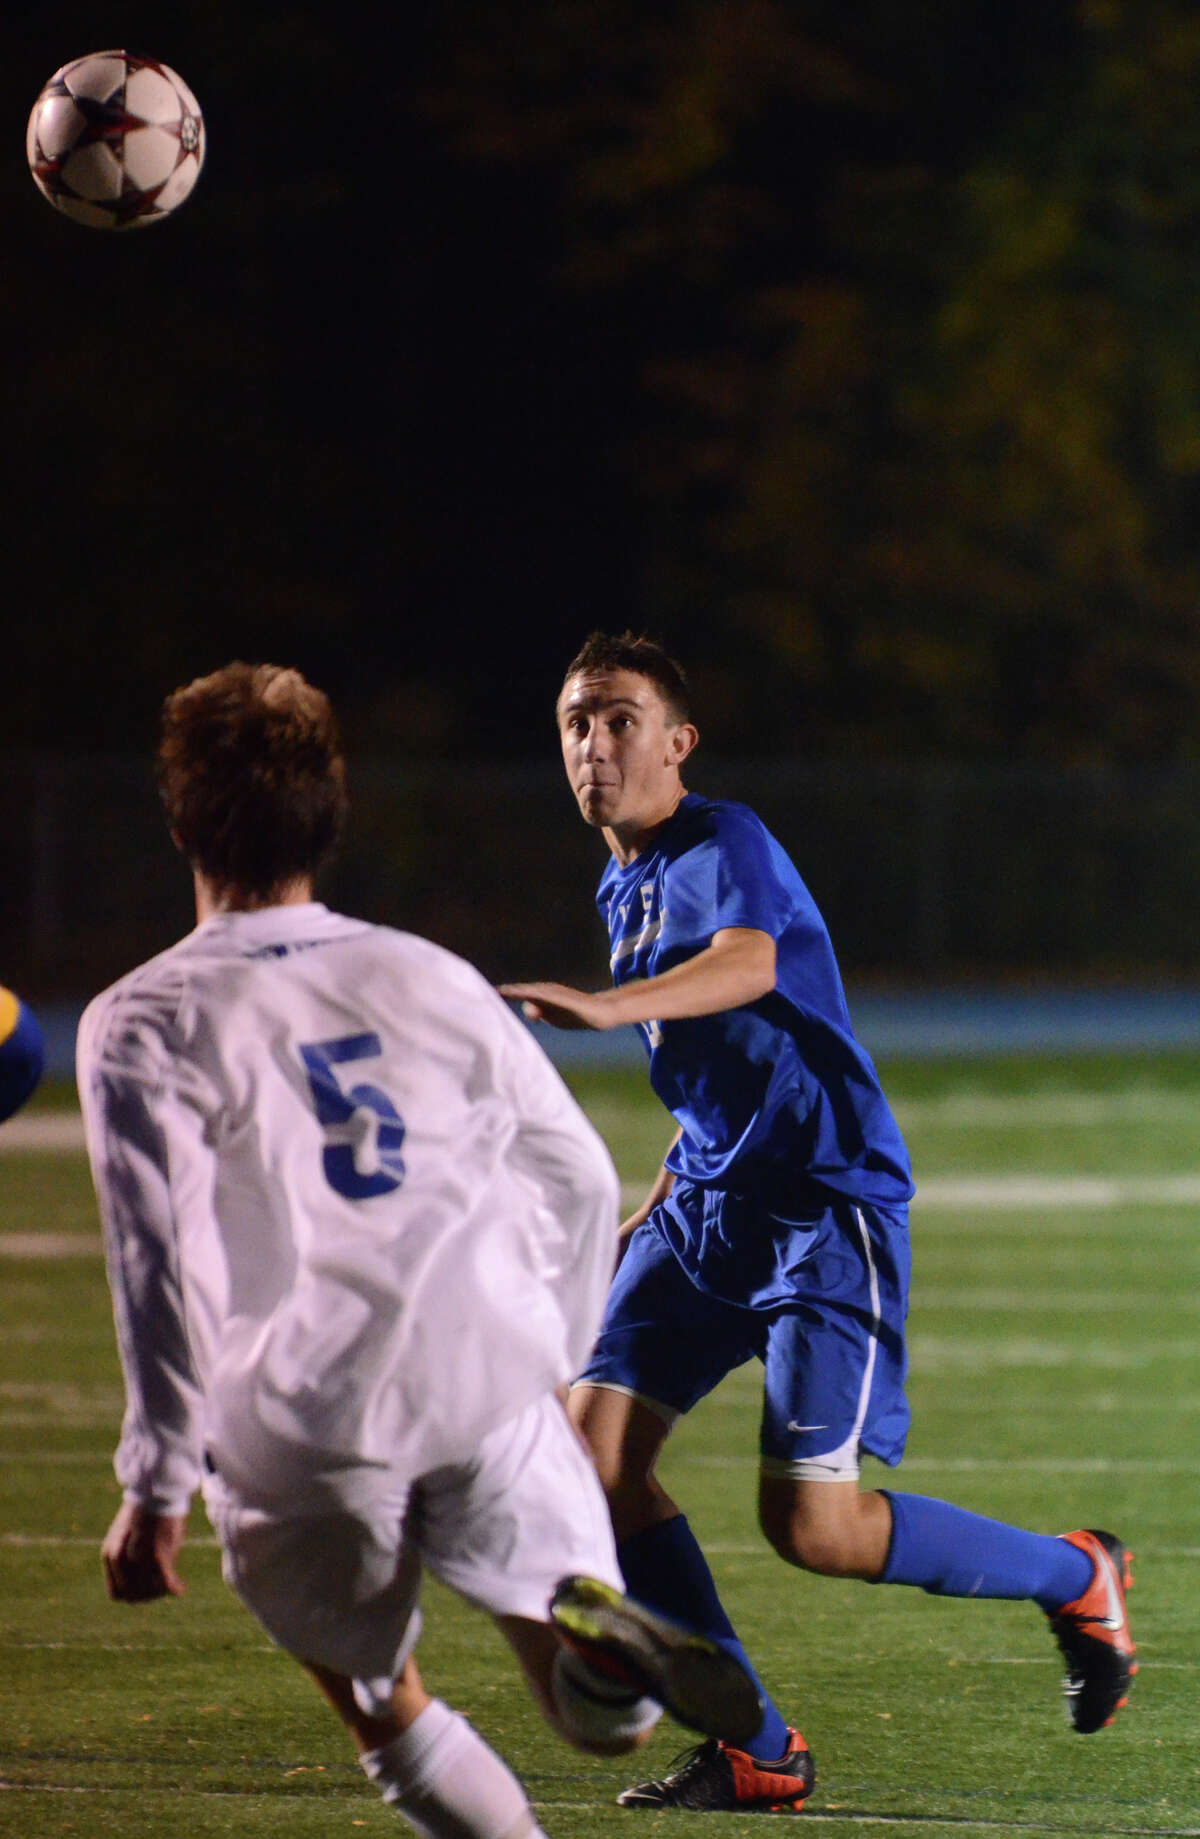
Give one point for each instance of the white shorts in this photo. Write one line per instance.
(340, 1589)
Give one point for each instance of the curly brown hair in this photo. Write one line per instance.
(605, 651)
(251, 776)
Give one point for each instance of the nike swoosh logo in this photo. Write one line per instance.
(1114, 1620)
(801, 1428)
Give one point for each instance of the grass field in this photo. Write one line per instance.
(1055, 1382)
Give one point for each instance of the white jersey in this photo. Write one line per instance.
(353, 1218)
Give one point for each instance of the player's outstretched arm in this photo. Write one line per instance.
(139, 1554)
(561, 1006)
(737, 967)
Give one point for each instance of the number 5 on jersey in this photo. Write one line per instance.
(362, 1156)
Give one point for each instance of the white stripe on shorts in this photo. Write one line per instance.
(841, 1464)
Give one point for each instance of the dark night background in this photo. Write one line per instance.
(853, 350)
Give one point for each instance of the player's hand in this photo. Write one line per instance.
(561, 1006)
(625, 1232)
(663, 1182)
(139, 1553)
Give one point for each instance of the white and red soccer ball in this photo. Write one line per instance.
(115, 141)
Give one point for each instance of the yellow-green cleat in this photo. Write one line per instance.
(697, 1682)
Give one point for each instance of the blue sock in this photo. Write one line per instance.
(951, 1552)
(664, 1568)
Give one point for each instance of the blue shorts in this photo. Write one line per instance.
(833, 1352)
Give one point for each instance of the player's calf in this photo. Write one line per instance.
(447, 1782)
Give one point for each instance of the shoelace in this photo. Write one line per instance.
(691, 1761)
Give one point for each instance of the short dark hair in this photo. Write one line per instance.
(627, 651)
(251, 776)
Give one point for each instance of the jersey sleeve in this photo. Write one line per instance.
(565, 1166)
(138, 1139)
(728, 877)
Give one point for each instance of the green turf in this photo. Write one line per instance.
(1055, 1382)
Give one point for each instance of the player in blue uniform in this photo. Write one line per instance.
(22, 1053)
(777, 1227)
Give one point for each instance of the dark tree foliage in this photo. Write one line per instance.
(854, 350)
(911, 294)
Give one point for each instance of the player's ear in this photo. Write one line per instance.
(681, 741)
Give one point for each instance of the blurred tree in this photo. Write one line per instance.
(911, 296)
(855, 349)
(1058, 413)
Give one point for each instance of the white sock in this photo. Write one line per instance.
(596, 1709)
(441, 1775)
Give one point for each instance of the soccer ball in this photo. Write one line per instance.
(115, 141)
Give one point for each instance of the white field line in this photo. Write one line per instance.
(75, 1420)
(57, 1458)
(938, 1193)
(37, 1540)
(62, 1132)
(840, 1815)
(59, 1394)
(730, 1396)
(1052, 1659)
(937, 1354)
(1037, 1192)
(759, 1548)
(963, 1823)
(52, 1404)
(1067, 1300)
(1052, 1108)
(972, 1465)
(1016, 1194)
(1055, 1109)
(836, 1816)
(939, 1465)
(1029, 1193)
(717, 1547)
(925, 1465)
(55, 1131)
(27, 1245)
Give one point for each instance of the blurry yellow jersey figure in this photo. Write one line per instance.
(22, 1053)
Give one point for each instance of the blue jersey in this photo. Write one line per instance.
(776, 1100)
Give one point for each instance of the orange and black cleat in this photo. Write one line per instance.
(716, 1778)
(1093, 1633)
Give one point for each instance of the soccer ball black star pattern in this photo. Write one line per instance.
(115, 141)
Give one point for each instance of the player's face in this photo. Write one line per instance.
(622, 749)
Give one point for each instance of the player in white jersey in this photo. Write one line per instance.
(357, 1235)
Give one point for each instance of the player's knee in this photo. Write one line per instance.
(629, 1494)
(806, 1549)
(632, 1493)
(612, 1468)
(809, 1544)
(623, 1440)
